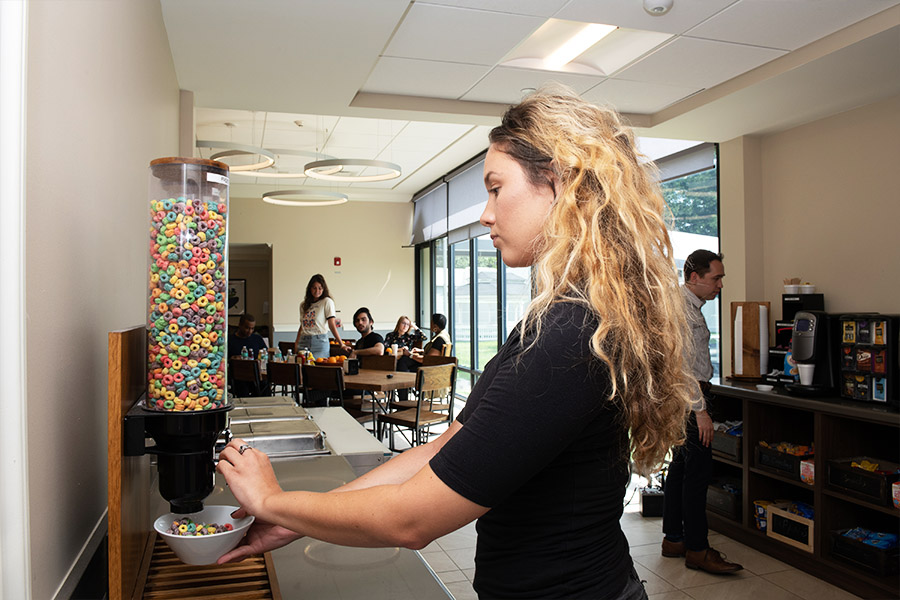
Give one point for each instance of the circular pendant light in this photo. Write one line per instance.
(319, 170)
(307, 198)
(233, 149)
(286, 175)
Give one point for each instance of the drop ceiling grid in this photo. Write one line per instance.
(460, 35)
(797, 23)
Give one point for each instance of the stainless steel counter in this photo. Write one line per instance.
(312, 569)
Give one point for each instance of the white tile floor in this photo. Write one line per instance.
(453, 559)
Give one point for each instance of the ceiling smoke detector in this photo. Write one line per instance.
(657, 8)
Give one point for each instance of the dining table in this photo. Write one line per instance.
(386, 382)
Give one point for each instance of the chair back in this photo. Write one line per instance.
(446, 349)
(285, 346)
(282, 373)
(322, 383)
(430, 361)
(385, 362)
(436, 383)
(245, 369)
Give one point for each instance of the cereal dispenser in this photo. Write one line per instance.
(185, 406)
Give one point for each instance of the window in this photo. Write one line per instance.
(441, 280)
(486, 299)
(693, 202)
(423, 266)
(461, 309)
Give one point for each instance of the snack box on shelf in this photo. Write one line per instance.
(782, 463)
(882, 560)
(849, 476)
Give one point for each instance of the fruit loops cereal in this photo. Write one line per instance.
(186, 324)
(185, 526)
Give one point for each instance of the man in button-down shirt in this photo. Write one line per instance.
(684, 516)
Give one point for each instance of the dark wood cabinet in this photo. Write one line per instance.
(838, 429)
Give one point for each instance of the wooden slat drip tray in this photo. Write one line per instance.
(170, 579)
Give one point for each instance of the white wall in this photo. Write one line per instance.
(820, 202)
(376, 271)
(102, 103)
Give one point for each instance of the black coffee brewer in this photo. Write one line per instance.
(813, 342)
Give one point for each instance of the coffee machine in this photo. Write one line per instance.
(813, 342)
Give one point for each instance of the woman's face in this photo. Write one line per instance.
(516, 210)
(404, 327)
(316, 290)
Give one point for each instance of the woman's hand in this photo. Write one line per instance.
(249, 475)
(261, 537)
(404, 351)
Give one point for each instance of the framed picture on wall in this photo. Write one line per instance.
(237, 297)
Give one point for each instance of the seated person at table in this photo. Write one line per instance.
(407, 337)
(441, 338)
(370, 343)
(245, 337)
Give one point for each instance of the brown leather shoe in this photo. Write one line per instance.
(711, 561)
(672, 549)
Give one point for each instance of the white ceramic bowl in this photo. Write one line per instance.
(807, 289)
(763, 387)
(203, 549)
(791, 289)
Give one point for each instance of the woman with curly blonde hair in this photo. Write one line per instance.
(593, 375)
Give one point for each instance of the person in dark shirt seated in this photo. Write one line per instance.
(436, 346)
(245, 337)
(370, 343)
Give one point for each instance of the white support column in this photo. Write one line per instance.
(15, 541)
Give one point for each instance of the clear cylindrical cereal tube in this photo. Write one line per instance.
(188, 285)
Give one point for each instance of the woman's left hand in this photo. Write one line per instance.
(249, 475)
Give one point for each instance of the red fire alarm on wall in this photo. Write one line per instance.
(337, 261)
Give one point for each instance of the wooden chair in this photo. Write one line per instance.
(447, 349)
(429, 361)
(385, 362)
(431, 382)
(287, 376)
(322, 384)
(285, 346)
(246, 371)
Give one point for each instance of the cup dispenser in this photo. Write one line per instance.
(185, 407)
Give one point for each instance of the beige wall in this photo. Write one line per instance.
(102, 101)
(832, 208)
(819, 202)
(376, 271)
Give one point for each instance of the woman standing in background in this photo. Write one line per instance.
(317, 317)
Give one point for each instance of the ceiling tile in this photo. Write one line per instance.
(798, 24)
(411, 77)
(459, 35)
(630, 13)
(696, 63)
(636, 97)
(505, 84)
(537, 8)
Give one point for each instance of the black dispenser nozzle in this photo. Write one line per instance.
(185, 443)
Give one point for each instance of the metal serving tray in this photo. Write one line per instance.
(283, 438)
(257, 401)
(267, 413)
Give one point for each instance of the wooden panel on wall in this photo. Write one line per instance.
(130, 478)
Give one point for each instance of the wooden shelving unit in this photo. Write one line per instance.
(839, 429)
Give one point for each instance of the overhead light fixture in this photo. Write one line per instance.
(324, 169)
(307, 198)
(287, 175)
(233, 149)
(577, 44)
(555, 41)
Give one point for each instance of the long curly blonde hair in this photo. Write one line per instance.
(605, 245)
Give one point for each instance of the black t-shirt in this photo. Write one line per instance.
(543, 448)
(369, 341)
(254, 343)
